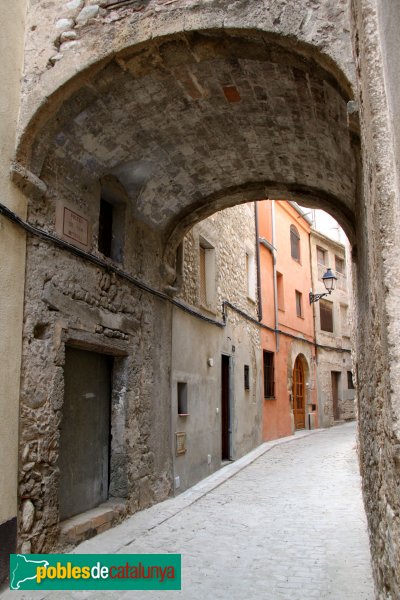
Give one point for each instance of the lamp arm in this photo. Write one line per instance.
(316, 297)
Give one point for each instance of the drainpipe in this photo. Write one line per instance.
(275, 275)
(259, 299)
(314, 309)
(271, 247)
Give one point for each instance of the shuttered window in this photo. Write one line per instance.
(246, 377)
(326, 316)
(269, 391)
(321, 256)
(339, 265)
(294, 243)
(299, 304)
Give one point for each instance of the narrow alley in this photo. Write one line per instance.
(288, 525)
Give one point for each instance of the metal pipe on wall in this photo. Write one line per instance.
(275, 277)
(259, 298)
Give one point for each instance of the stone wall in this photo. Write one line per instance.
(232, 231)
(338, 361)
(71, 302)
(378, 293)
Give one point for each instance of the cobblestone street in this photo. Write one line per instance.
(290, 525)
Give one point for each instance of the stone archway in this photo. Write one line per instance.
(165, 134)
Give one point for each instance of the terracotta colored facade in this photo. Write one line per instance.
(284, 231)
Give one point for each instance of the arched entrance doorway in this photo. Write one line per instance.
(298, 395)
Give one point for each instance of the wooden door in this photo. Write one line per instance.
(85, 432)
(298, 394)
(335, 394)
(225, 409)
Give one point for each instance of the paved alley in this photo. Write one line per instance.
(290, 525)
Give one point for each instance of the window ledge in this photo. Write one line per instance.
(183, 414)
(208, 308)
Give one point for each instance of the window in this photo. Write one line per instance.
(206, 274)
(299, 304)
(321, 256)
(280, 293)
(182, 398)
(339, 265)
(268, 360)
(294, 243)
(246, 377)
(326, 315)
(111, 225)
(105, 227)
(350, 382)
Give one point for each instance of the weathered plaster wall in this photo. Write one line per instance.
(331, 360)
(12, 252)
(232, 234)
(378, 277)
(294, 276)
(388, 21)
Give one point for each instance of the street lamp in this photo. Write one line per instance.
(329, 280)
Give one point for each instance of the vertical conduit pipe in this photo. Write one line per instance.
(273, 232)
(259, 297)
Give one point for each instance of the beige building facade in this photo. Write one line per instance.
(12, 264)
(333, 332)
(216, 367)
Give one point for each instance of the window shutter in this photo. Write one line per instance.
(326, 316)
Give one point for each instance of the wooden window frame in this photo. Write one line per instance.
(269, 375)
(299, 304)
(246, 377)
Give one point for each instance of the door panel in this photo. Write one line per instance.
(299, 411)
(225, 408)
(335, 375)
(85, 432)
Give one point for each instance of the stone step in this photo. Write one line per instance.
(89, 523)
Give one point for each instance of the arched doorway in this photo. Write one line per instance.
(298, 395)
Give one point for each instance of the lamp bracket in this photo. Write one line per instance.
(316, 297)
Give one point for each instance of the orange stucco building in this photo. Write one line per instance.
(290, 399)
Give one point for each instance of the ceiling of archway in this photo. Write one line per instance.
(180, 121)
